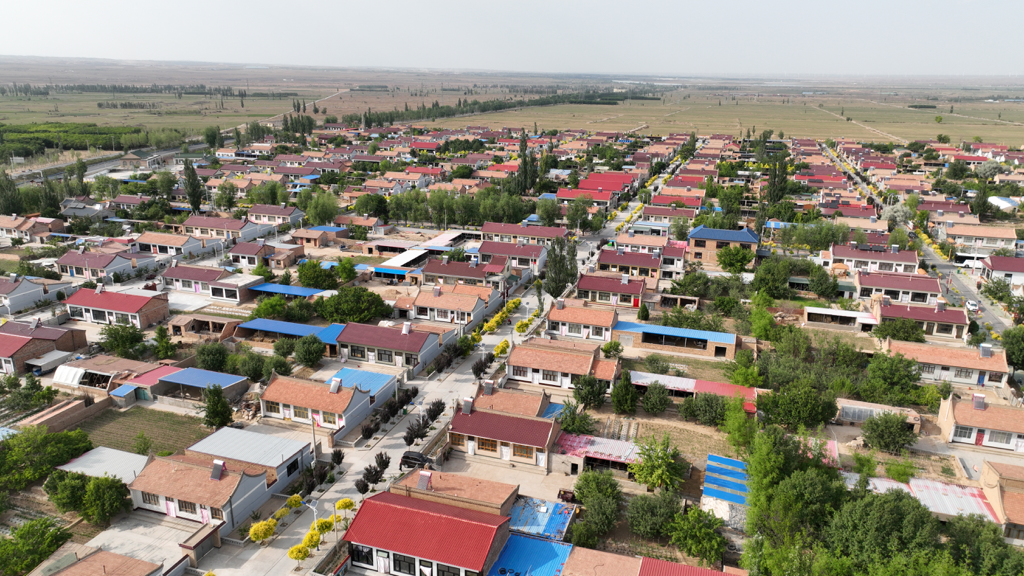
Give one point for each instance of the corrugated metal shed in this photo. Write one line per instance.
(286, 290)
(531, 556)
(725, 479)
(330, 334)
(251, 447)
(720, 337)
(123, 390)
(280, 327)
(670, 382)
(107, 461)
(541, 518)
(948, 500)
(595, 447)
(202, 378)
(373, 382)
(876, 485)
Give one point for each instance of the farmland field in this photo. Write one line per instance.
(167, 430)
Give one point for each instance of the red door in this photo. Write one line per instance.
(636, 302)
(979, 437)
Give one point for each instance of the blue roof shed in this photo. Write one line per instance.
(372, 382)
(279, 327)
(286, 290)
(532, 556)
(330, 334)
(702, 232)
(719, 337)
(200, 378)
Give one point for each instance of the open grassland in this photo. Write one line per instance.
(168, 431)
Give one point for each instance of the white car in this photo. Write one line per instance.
(971, 305)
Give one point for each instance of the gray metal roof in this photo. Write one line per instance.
(114, 463)
(251, 447)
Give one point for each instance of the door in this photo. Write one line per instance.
(382, 564)
(979, 437)
(542, 458)
(506, 451)
(636, 302)
(169, 504)
(204, 515)
(981, 377)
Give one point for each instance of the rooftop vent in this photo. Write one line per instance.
(979, 401)
(940, 306)
(335, 384)
(444, 260)
(218, 470)
(874, 220)
(560, 303)
(619, 250)
(437, 291)
(630, 233)
(488, 387)
(467, 405)
(406, 327)
(523, 224)
(986, 350)
(895, 248)
(625, 278)
(940, 212)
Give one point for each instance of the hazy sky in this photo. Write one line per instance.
(671, 37)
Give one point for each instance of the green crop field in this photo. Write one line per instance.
(167, 430)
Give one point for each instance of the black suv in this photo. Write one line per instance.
(413, 460)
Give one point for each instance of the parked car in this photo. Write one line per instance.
(413, 460)
(971, 305)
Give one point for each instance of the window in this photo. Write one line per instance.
(944, 329)
(865, 292)
(995, 377)
(358, 352)
(186, 284)
(549, 376)
(421, 311)
(231, 294)
(186, 507)
(441, 314)
(604, 297)
(169, 282)
(699, 244)
(204, 286)
(292, 468)
(120, 318)
(457, 439)
(272, 407)
(698, 255)
(885, 267)
(77, 312)
(99, 316)
(63, 269)
(362, 555)
(412, 359)
(585, 293)
(520, 371)
(522, 451)
(626, 298)
(575, 329)
(598, 332)
(487, 445)
(927, 369)
(373, 400)
(216, 513)
(963, 432)
(443, 570)
(385, 357)
(301, 413)
(999, 437)
(217, 293)
(963, 373)
(404, 564)
(720, 245)
(151, 499)
(330, 418)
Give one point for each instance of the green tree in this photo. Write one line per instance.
(612, 349)
(210, 136)
(66, 490)
(707, 409)
(164, 347)
(30, 544)
(899, 329)
(298, 553)
(978, 545)
(548, 211)
(656, 400)
(888, 432)
(227, 195)
(798, 404)
(124, 340)
(734, 259)
(352, 304)
(823, 284)
(285, 279)
(882, 526)
(193, 187)
(309, 350)
(284, 347)
(801, 503)
(276, 364)
(373, 205)
(262, 270)
(650, 516)
(250, 365)
(274, 307)
(577, 214)
(958, 170)
(1013, 343)
(217, 412)
(643, 314)
(323, 208)
(312, 275)
(142, 444)
(696, 534)
(680, 229)
(104, 498)
(592, 484)
(574, 420)
(772, 278)
(737, 424)
(657, 464)
(212, 356)
(624, 395)
(891, 379)
(589, 392)
(696, 284)
(346, 270)
(562, 269)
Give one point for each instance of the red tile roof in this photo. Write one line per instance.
(246, 249)
(383, 337)
(897, 281)
(993, 417)
(664, 200)
(128, 303)
(430, 530)
(272, 210)
(87, 260)
(925, 314)
(669, 211)
(307, 394)
(194, 273)
(528, 231)
(567, 194)
(1004, 263)
(614, 285)
(639, 259)
(655, 567)
(216, 223)
(504, 427)
(458, 269)
(510, 249)
(904, 256)
(9, 344)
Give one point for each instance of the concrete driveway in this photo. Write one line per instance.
(146, 536)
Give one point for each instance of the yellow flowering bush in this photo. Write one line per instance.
(513, 305)
(522, 326)
(282, 513)
(501, 348)
(294, 501)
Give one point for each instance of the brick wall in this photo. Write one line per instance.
(36, 347)
(155, 311)
(73, 339)
(730, 349)
(63, 417)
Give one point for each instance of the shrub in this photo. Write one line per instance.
(435, 409)
(479, 367)
(367, 431)
(656, 400)
(284, 347)
(900, 470)
(888, 432)
(282, 512)
(294, 501)
(656, 364)
(337, 456)
(650, 515)
(707, 409)
(612, 349)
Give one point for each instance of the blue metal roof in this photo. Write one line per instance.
(286, 290)
(702, 232)
(372, 382)
(289, 328)
(723, 483)
(202, 378)
(548, 196)
(727, 496)
(5, 432)
(531, 556)
(716, 459)
(330, 334)
(361, 267)
(528, 518)
(123, 391)
(329, 228)
(553, 410)
(384, 270)
(720, 337)
(726, 473)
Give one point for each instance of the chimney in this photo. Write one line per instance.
(560, 303)
(618, 251)
(14, 277)
(979, 401)
(406, 327)
(467, 405)
(630, 233)
(940, 213)
(523, 224)
(335, 384)
(444, 260)
(625, 278)
(895, 248)
(437, 291)
(961, 214)
(81, 250)
(940, 306)
(488, 387)
(873, 220)
(283, 205)
(986, 350)
(590, 269)
(853, 245)
(885, 300)
(99, 288)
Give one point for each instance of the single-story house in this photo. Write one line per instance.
(518, 439)
(870, 258)
(19, 293)
(96, 266)
(575, 319)
(402, 347)
(175, 244)
(250, 254)
(645, 265)
(982, 366)
(102, 307)
(276, 215)
(624, 291)
(311, 238)
(522, 255)
(497, 232)
(897, 287)
(972, 420)
(1005, 268)
(560, 363)
(283, 458)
